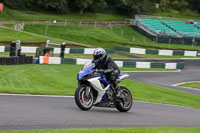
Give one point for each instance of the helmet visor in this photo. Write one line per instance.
(96, 57)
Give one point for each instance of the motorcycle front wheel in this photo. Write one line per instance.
(125, 103)
(83, 102)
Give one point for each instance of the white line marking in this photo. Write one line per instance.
(53, 96)
(178, 70)
(190, 58)
(28, 95)
(165, 104)
(177, 84)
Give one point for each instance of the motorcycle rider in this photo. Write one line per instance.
(105, 64)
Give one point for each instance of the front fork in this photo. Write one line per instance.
(87, 91)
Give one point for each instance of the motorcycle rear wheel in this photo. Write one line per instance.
(83, 102)
(125, 104)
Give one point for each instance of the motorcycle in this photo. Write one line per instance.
(95, 90)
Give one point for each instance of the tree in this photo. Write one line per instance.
(179, 4)
(194, 4)
(132, 7)
(60, 6)
(164, 4)
(19, 4)
(81, 5)
(98, 6)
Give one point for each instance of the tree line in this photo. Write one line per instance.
(125, 7)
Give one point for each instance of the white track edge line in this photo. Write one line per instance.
(29, 95)
(56, 96)
(178, 70)
(177, 84)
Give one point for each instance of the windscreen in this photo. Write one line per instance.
(87, 65)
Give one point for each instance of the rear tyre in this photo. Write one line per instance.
(125, 104)
(83, 102)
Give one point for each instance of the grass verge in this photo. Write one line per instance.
(61, 80)
(89, 56)
(117, 130)
(191, 85)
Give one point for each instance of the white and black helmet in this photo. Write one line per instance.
(99, 54)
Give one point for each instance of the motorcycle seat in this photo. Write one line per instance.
(122, 76)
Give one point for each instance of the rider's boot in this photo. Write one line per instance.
(116, 89)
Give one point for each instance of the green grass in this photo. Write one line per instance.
(89, 56)
(116, 130)
(99, 36)
(61, 80)
(191, 85)
(8, 35)
(9, 14)
(115, 56)
(11, 35)
(103, 37)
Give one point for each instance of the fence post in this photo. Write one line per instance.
(156, 38)
(133, 38)
(80, 23)
(122, 32)
(110, 24)
(169, 40)
(46, 30)
(95, 24)
(65, 22)
(193, 42)
(183, 41)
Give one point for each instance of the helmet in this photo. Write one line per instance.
(99, 54)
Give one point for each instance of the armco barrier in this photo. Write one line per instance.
(80, 61)
(25, 49)
(157, 51)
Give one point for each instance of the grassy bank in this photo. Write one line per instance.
(28, 38)
(61, 80)
(191, 85)
(103, 37)
(11, 35)
(117, 130)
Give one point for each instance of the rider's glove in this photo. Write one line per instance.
(101, 71)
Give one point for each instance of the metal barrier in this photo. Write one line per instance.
(62, 46)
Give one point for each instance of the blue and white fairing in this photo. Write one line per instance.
(87, 69)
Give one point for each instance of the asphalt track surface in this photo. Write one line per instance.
(167, 79)
(19, 112)
(36, 112)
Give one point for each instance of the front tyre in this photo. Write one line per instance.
(83, 102)
(124, 104)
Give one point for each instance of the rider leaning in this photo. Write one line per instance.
(105, 64)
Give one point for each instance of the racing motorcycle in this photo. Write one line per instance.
(95, 90)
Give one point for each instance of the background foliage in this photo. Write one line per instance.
(125, 7)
